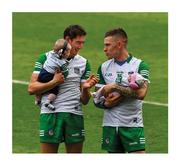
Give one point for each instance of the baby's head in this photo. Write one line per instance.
(62, 48)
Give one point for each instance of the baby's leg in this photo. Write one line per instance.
(48, 103)
(98, 97)
(51, 97)
(38, 99)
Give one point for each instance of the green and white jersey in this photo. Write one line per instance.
(53, 62)
(68, 98)
(40, 62)
(129, 112)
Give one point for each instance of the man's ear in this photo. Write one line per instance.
(119, 44)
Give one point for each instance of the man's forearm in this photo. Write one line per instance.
(85, 96)
(125, 91)
(38, 87)
(128, 92)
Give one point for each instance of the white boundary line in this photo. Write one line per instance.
(156, 103)
(20, 82)
(146, 102)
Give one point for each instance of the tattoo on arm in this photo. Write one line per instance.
(126, 91)
(144, 85)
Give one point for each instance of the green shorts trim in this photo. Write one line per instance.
(123, 139)
(61, 127)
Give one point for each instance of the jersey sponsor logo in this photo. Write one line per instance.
(77, 70)
(108, 74)
(131, 72)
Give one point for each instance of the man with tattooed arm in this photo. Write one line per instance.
(123, 130)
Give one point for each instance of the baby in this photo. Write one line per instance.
(133, 81)
(56, 60)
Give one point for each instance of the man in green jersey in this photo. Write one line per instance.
(123, 130)
(66, 123)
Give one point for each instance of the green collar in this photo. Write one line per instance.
(129, 58)
(123, 62)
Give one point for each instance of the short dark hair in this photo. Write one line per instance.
(73, 31)
(119, 32)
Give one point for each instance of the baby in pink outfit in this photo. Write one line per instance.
(133, 81)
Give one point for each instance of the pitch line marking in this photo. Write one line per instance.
(20, 82)
(155, 103)
(146, 102)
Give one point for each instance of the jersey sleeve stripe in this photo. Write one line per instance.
(144, 71)
(35, 71)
